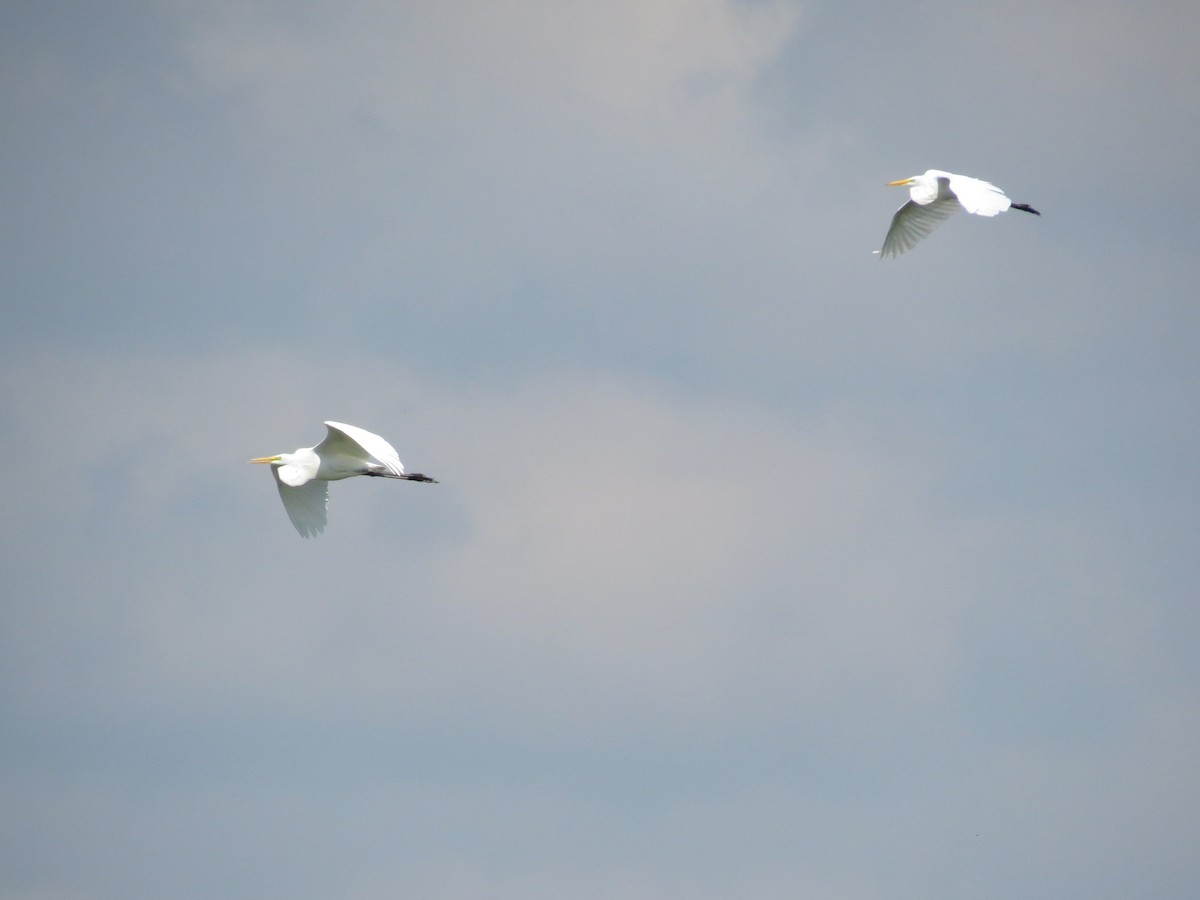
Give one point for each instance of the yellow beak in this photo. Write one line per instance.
(265, 459)
(900, 183)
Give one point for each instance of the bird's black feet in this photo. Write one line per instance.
(1025, 207)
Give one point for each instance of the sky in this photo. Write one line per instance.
(757, 566)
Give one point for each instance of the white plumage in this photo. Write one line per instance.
(935, 196)
(303, 477)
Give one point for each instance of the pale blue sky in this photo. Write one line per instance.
(758, 567)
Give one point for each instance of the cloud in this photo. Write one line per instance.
(757, 567)
(405, 63)
(634, 541)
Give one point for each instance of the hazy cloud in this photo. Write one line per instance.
(756, 567)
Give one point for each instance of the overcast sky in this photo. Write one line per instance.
(758, 566)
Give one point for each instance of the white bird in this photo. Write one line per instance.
(303, 477)
(936, 196)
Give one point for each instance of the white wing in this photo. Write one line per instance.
(979, 197)
(349, 440)
(913, 222)
(305, 504)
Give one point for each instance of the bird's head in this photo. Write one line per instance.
(925, 188)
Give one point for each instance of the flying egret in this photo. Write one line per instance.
(936, 196)
(303, 477)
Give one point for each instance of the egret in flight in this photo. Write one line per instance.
(303, 477)
(936, 196)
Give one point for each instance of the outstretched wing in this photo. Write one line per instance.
(351, 441)
(979, 197)
(305, 505)
(913, 222)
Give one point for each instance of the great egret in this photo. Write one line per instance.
(303, 477)
(936, 196)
